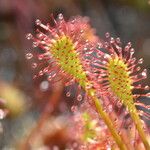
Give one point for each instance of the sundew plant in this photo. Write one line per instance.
(105, 70)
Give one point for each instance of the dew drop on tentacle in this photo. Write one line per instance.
(129, 44)
(140, 61)
(29, 36)
(68, 94)
(60, 17)
(45, 70)
(127, 48)
(74, 108)
(119, 104)
(132, 51)
(88, 86)
(34, 65)
(35, 76)
(49, 78)
(144, 73)
(107, 35)
(110, 108)
(44, 85)
(118, 40)
(138, 68)
(41, 73)
(81, 31)
(99, 45)
(132, 60)
(40, 57)
(112, 40)
(35, 44)
(120, 50)
(85, 48)
(106, 44)
(147, 87)
(38, 22)
(29, 55)
(79, 97)
(148, 95)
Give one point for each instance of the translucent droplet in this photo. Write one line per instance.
(35, 76)
(127, 48)
(119, 104)
(139, 85)
(110, 108)
(41, 73)
(148, 94)
(68, 94)
(79, 97)
(138, 68)
(140, 61)
(44, 85)
(34, 65)
(81, 31)
(85, 48)
(60, 17)
(107, 35)
(104, 62)
(100, 45)
(106, 56)
(146, 87)
(133, 60)
(49, 78)
(29, 36)
(29, 55)
(112, 40)
(132, 142)
(118, 40)
(132, 50)
(144, 73)
(87, 41)
(73, 21)
(38, 22)
(34, 44)
(88, 86)
(40, 35)
(129, 44)
(106, 44)
(45, 70)
(74, 108)
(120, 49)
(40, 57)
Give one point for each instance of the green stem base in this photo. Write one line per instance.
(106, 118)
(137, 121)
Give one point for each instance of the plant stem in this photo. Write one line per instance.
(106, 118)
(137, 121)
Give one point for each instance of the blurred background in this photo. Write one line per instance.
(23, 98)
